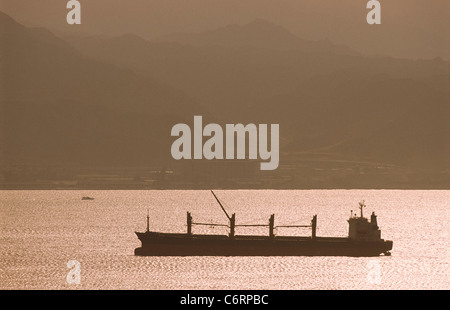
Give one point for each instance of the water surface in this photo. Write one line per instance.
(40, 231)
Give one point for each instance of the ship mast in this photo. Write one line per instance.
(231, 218)
(361, 206)
(223, 209)
(148, 218)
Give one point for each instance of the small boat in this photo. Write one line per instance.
(87, 198)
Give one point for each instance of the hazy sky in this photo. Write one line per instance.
(410, 28)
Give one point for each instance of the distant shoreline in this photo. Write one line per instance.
(137, 188)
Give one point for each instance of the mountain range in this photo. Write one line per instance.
(97, 100)
(64, 108)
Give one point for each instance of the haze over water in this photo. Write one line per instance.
(40, 231)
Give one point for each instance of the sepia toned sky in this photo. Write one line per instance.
(409, 28)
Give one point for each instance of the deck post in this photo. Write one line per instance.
(314, 227)
(189, 224)
(232, 225)
(148, 220)
(271, 226)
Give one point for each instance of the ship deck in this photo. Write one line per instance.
(175, 244)
(203, 237)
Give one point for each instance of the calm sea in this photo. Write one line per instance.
(41, 231)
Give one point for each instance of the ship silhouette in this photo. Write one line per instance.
(364, 239)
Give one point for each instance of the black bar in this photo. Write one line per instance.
(266, 299)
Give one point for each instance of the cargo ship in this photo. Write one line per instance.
(364, 239)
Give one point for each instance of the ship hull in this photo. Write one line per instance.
(158, 244)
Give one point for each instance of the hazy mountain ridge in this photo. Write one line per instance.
(219, 72)
(259, 33)
(63, 107)
(323, 100)
(112, 101)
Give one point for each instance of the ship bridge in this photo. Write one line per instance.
(360, 228)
